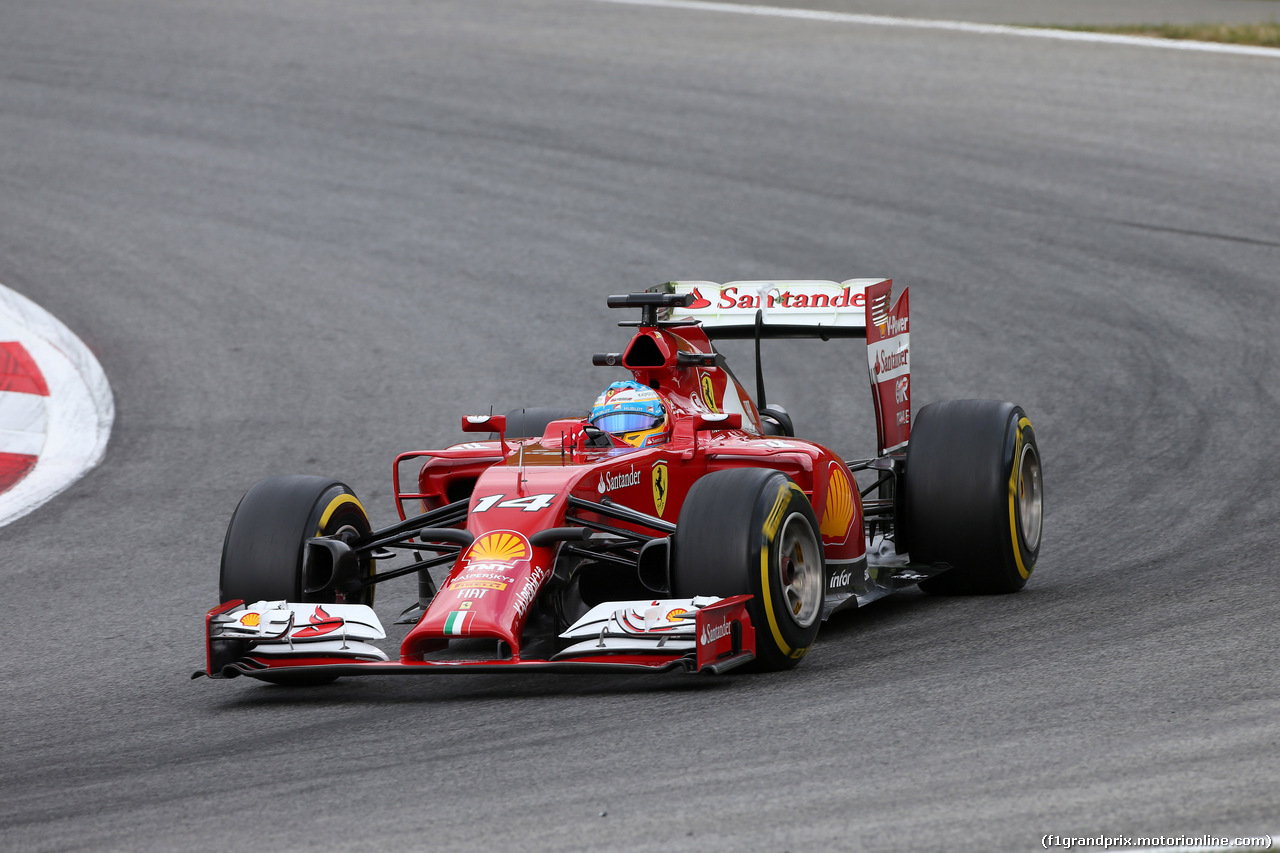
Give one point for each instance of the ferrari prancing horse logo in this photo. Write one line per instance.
(660, 487)
(708, 388)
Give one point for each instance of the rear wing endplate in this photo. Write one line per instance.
(889, 366)
(856, 308)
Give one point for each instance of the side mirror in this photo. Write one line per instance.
(485, 423)
(488, 423)
(723, 420)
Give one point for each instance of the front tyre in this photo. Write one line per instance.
(262, 556)
(751, 531)
(973, 496)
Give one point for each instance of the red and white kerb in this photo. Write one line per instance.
(24, 413)
(56, 407)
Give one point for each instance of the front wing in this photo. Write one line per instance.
(282, 641)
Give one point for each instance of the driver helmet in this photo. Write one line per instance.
(631, 414)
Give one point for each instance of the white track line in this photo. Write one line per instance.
(954, 26)
(80, 408)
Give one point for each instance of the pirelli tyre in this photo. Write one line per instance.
(532, 422)
(753, 531)
(973, 496)
(262, 555)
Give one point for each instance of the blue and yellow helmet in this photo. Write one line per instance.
(630, 413)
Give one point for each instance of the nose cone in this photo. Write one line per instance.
(487, 595)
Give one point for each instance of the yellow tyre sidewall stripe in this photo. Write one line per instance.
(772, 522)
(340, 500)
(1023, 424)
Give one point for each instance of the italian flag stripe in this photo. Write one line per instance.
(456, 622)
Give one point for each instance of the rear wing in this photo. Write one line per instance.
(785, 309)
(857, 308)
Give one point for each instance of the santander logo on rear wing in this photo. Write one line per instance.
(856, 308)
(786, 309)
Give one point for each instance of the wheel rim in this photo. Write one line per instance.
(800, 570)
(1030, 497)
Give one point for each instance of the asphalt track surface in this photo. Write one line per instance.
(304, 236)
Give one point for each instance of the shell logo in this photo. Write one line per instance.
(251, 619)
(879, 312)
(501, 547)
(674, 615)
(838, 512)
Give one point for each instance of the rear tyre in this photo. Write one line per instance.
(532, 422)
(262, 554)
(751, 531)
(973, 496)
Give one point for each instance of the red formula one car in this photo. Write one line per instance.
(675, 526)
